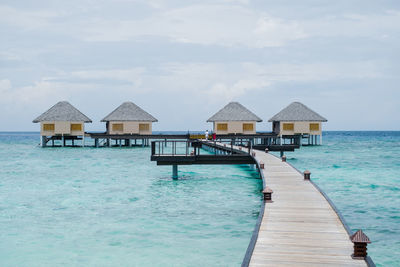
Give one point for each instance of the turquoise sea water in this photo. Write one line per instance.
(113, 207)
(360, 172)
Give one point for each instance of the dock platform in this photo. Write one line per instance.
(299, 227)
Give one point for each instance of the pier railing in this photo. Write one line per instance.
(171, 147)
(192, 147)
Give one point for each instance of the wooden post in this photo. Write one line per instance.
(307, 175)
(261, 165)
(320, 139)
(360, 241)
(174, 171)
(267, 193)
(153, 148)
(43, 141)
(266, 150)
(283, 158)
(62, 141)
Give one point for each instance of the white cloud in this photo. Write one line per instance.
(28, 20)
(222, 25)
(5, 86)
(210, 81)
(132, 76)
(354, 25)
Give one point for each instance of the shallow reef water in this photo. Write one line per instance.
(114, 207)
(360, 172)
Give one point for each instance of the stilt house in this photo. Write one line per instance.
(128, 118)
(297, 118)
(63, 120)
(234, 119)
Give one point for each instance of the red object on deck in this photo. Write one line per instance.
(214, 136)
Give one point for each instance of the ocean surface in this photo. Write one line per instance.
(114, 207)
(360, 172)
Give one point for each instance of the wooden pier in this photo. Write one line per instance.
(298, 224)
(299, 227)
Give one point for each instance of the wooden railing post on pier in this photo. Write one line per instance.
(283, 158)
(360, 241)
(153, 148)
(307, 175)
(267, 193)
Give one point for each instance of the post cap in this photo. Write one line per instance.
(360, 237)
(267, 190)
(307, 172)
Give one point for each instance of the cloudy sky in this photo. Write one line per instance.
(184, 60)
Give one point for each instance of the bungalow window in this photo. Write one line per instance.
(288, 126)
(248, 127)
(314, 126)
(118, 127)
(144, 127)
(222, 127)
(76, 127)
(48, 127)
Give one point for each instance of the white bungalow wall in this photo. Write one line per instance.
(62, 128)
(234, 127)
(300, 127)
(130, 127)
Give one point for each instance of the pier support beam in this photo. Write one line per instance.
(174, 171)
(43, 141)
(320, 139)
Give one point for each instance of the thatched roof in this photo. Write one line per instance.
(234, 111)
(128, 111)
(297, 111)
(62, 111)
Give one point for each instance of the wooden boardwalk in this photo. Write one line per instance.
(299, 228)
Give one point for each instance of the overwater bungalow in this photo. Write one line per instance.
(234, 119)
(298, 119)
(128, 118)
(62, 122)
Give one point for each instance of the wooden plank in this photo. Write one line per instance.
(299, 227)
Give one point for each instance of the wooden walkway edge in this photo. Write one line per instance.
(300, 227)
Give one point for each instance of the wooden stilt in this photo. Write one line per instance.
(174, 171)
